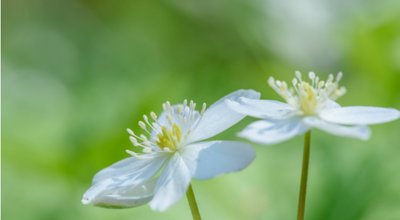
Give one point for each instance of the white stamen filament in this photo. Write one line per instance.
(153, 116)
(132, 153)
(169, 136)
(203, 108)
(142, 125)
(130, 131)
(307, 97)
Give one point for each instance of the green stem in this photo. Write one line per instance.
(304, 175)
(192, 203)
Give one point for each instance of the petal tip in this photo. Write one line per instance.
(365, 137)
(252, 156)
(156, 207)
(250, 93)
(86, 201)
(366, 134)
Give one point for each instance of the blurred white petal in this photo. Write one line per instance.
(172, 184)
(271, 132)
(359, 115)
(219, 117)
(359, 131)
(267, 109)
(213, 158)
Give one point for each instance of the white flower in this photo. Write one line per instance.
(308, 105)
(172, 155)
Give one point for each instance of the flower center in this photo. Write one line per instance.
(308, 98)
(168, 132)
(169, 138)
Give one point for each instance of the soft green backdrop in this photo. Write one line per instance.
(77, 73)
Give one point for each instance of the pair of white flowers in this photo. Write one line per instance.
(174, 150)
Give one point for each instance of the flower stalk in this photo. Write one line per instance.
(192, 203)
(304, 176)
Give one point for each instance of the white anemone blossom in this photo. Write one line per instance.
(171, 155)
(308, 105)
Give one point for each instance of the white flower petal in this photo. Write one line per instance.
(115, 196)
(172, 184)
(210, 159)
(219, 117)
(360, 115)
(328, 104)
(271, 132)
(125, 183)
(359, 131)
(266, 109)
(131, 166)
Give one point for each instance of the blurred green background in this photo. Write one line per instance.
(77, 73)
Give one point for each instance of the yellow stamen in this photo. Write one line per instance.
(169, 138)
(308, 99)
(177, 132)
